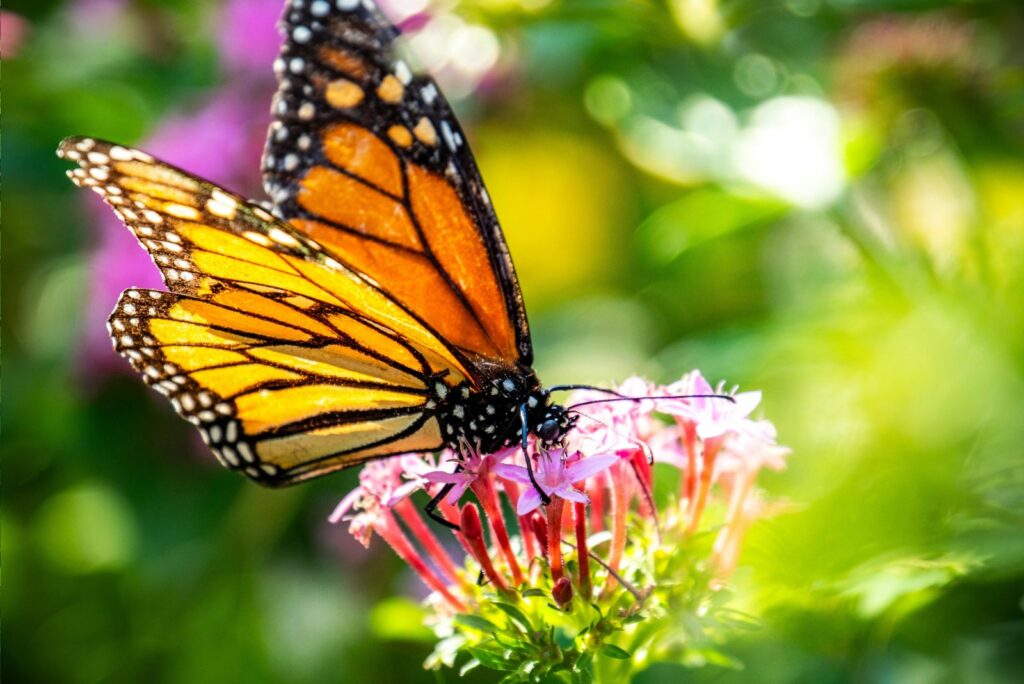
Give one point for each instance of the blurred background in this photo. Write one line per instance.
(820, 198)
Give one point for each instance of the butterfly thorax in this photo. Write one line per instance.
(490, 418)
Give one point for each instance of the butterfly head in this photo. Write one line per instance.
(555, 423)
(548, 421)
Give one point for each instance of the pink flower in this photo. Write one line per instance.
(365, 518)
(712, 416)
(556, 473)
(667, 446)
(381, 485)
(384, 481)
(608, 423)
(592, 543)
(753, 449)
(473, 467)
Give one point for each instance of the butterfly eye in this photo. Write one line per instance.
(549, 430)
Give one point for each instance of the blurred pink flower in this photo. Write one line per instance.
(881, 54)
(753, 449)
(13, 32)
(712, 416)
(250, 40)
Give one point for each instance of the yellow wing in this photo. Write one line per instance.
(291, 364)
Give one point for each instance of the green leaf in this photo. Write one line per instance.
(883, 584)
(534, 592)
(524, 647)
(613, 651)
(514, 613)
(513, 678)
(476, 622)
(583, 669)
(492, 660)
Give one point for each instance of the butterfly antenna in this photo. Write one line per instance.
(620, 397)
(568, 388)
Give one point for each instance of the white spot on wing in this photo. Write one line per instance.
(429, 93)
(402, 72)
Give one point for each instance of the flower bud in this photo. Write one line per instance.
(469, 522)
(473, 531)
(562, 592)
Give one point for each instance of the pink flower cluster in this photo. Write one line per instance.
(596, 481)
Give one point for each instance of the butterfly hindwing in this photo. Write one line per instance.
(290, 364)
(368, 159)
(280, 410)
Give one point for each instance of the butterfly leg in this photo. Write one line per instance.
(431, 508)
(525, 433)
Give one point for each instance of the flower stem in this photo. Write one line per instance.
(525, 528)
(387, 527)
(409, 514)
(554, 511)
(707, 470)
(726, 546)
(597, 497)
(620, 504)
(540, 530)
(485, 493)
(582, 553)
(690, 481)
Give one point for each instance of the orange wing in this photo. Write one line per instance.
(290, 365)
(369, 161)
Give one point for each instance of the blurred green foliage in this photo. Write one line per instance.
(820, 198)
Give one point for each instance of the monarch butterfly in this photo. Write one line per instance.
(376, 311)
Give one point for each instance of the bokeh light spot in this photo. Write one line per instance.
(756, 75)
(88, 528)
(792, 149)
(699, 20)
(607, 99)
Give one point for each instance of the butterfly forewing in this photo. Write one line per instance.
(290, 364)
(368, 160)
